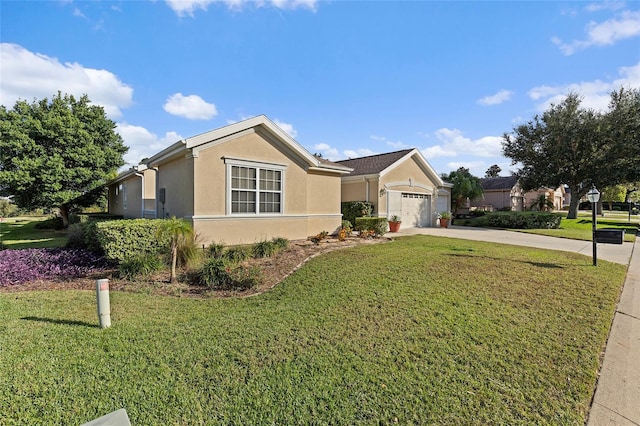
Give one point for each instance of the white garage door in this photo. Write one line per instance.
(415, 210)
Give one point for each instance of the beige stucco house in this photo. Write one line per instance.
(241, 183)
(400, 183)
(505, 193)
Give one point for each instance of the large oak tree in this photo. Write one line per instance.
(57, 153)
(572, 145)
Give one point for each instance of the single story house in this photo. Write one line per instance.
(242, 183)
(400, 183)
(505, 193)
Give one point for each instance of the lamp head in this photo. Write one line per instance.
(593, 195)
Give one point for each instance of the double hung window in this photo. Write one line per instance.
(255, 188)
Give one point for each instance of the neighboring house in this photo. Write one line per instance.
(505, 193)
(398, 183)
(242, 183)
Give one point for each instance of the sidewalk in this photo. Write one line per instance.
(617, 396)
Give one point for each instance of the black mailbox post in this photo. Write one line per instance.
(610, 236)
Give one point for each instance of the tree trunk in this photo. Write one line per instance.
(574, 204)
(64, 214)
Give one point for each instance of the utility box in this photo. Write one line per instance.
(610, 236)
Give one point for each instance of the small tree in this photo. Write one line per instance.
(465, 187)
(493, 171)
(58, 153)
(613, 193)
(542, 203)
(179, 232)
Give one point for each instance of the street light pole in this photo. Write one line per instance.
(594, 196)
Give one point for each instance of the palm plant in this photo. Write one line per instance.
(465, 187)
(542, 203)
(180, 233)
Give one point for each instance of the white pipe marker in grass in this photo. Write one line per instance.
(104, 307)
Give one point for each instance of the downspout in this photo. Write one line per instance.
(366, 198)
(142, 190)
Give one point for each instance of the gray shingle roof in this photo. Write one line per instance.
(373, 164)
(498, 183)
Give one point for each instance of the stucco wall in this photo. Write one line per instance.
(177, 178)
(354, 191)
(125, 197)
(406, 177)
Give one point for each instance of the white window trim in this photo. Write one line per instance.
(230, 162)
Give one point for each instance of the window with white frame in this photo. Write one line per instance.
(254, 188)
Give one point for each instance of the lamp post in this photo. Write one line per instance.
(594, 196)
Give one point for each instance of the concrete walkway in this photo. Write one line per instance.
(617, 396)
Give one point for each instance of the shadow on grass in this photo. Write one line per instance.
(60, 321)
(536, 264)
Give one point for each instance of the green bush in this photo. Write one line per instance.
(214, 273)
(263, 249)
(216, 250)
(353, 209)
(377, 225)
(119, 240)
(281, 243)
(143, 265)
(222, 274)
(238, 253)
(524, 220)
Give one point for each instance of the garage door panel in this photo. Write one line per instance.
(415, 209)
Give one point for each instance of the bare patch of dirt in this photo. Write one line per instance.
(274, 269)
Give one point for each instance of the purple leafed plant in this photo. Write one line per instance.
(20, 266)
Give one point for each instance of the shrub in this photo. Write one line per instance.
(353, 209)
(221, 274)
(376, 224)
(245, 277)
(214, 273)
(216, 250)
(51, 223)
(238, 253)
(281, 243)
(347, 226)
(524, 220)
(143, 265)
(20, 266)
(124, 239)
(263, 249)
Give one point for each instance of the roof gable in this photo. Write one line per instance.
(373, 164)
(260, 124)
(381, 164)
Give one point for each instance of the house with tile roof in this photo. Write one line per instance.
(400, 183)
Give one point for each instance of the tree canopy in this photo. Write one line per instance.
(465, 187)
(572, 145)
(57, 153)
(493, 171)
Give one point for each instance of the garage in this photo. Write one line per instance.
(414, 209)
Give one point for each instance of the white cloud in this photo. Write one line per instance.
(605, 5)
(356, 153)
(393, 144)
(454, 143)
(142, 143)
(287, 128)
(626, 25)
(498, 98)
(189, 7)
(27, 75)
(192, 107)
(327, 151)
(596, 94)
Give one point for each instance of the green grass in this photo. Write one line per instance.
(580, 228)
(20, 233)
(422, 330)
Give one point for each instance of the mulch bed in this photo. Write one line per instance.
(274, 270)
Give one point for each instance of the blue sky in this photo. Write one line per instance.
(344, 78)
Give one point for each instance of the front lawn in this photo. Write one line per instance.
(422, 330)
(21, 233)
(581, 228)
